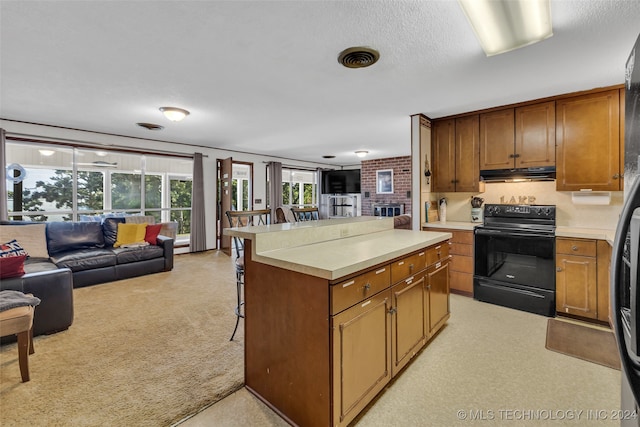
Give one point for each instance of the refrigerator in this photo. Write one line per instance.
(625, 258)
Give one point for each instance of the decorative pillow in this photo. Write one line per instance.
(110, 230)
(32, 238)
(12, 266)
(130, 234)
(12, 249)
(151, 234)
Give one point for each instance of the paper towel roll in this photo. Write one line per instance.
(591, 197)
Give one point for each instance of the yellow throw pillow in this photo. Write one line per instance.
(129, 234)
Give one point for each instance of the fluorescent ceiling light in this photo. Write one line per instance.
(504, 25)
(361, 153)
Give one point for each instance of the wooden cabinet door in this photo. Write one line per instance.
(443, 160)
(496, 140)
(407, 321)
(361, 355)
(467, 150)
(437, 297)
(588, 142)
(535, 141)
(576, 285)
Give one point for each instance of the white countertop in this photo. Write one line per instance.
(586, 233)
(453, 225)
(332, 249)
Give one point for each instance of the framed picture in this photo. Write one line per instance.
(384, 181)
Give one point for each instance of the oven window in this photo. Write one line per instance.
(523, 260)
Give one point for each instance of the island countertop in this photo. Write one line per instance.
(332, 249)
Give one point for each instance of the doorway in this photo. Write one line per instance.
(235, 192)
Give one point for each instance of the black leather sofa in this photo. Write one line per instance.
(81, 254)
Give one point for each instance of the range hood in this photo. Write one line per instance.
(519, 175)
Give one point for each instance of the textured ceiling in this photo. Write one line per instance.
(263, 76)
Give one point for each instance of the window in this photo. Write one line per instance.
(299, 187)
(54, 183)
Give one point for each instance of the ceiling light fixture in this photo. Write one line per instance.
(361, 153)
(504, 25)
(174, 114)
(47, 153)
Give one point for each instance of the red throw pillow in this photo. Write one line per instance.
(12, 266)
(151, 234)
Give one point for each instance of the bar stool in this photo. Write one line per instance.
(19, 321)
(243, 219)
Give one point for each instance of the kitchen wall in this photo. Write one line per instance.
(543, 193)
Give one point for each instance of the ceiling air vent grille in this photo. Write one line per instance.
(358, 57)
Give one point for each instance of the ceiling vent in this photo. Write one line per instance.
(150, 126)
(358, 57)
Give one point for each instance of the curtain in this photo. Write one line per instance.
(198, 240)
(4, 208)
(275, 187)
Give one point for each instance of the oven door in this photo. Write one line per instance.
(519, 258)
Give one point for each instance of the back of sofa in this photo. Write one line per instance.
(66, 236)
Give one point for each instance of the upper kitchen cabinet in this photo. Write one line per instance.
(455, 150)
(520, 137)
(588, 142)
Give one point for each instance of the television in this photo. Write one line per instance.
(341, 181)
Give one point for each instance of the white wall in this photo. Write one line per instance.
(209, 163)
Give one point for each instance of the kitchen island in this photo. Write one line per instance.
(334, 309)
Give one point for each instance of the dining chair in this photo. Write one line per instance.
(305, 214)
(281, 217)
(243, 219)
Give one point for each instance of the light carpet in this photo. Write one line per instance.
(147, 351)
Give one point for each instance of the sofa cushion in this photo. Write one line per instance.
(129, 234)
(12, 266)
(38, 265)
(110, 230)
(85, 259)
(67, 236)
(32, 237)
(127, 255)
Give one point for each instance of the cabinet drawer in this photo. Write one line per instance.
(407, 266)
(463, 264)
(352, 291)
(460, 249)
(437, 253)
(583, 247)
(465, 237)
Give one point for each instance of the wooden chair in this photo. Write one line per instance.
(243, 219)
(305, 214)
(19, 321)
(281, 217)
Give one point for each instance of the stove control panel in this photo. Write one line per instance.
(520, 211)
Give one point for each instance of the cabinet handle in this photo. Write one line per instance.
(367, 287)
(574, 248)
(393, 310)
(410, 267)
(616, 176)
(558, 269)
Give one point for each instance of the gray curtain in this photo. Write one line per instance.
(275, 187)
(198, 241)
(4, 209)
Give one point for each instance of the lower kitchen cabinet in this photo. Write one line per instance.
(582, 286)
(361, 354)
(461, 261)
(407, 320)
(437, 296)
